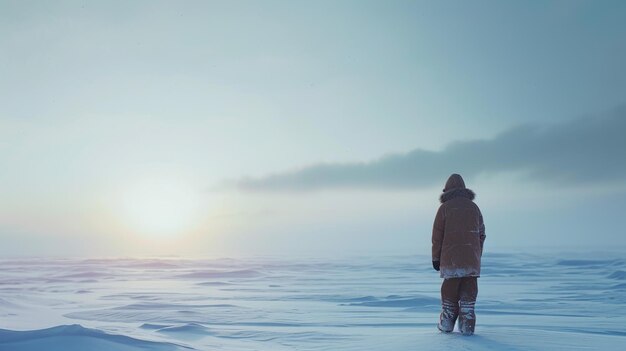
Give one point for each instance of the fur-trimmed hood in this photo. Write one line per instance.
(455, 187)
(457, 192)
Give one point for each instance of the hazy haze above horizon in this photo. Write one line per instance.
(327, 127)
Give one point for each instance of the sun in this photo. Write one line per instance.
(159, 207)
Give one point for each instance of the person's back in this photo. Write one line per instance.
(457, 245)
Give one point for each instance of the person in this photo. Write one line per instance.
(458, 239)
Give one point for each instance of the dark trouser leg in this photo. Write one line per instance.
(449, 304)
(468, 290)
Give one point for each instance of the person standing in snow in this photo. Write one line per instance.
(458, 238)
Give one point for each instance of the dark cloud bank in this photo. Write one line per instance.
(582, 151)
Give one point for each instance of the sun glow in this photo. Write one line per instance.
(160, 208)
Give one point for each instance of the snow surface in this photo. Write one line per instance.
(525, 302)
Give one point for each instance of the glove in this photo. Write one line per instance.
(436, 265)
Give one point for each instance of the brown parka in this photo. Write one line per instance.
(458, 231)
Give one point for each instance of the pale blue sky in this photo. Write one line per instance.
(99, 98)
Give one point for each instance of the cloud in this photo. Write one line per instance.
(583, 151)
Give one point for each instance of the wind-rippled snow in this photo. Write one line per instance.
(525, 302)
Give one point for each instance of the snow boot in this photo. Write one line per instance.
(449, 314)
(467, 318)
